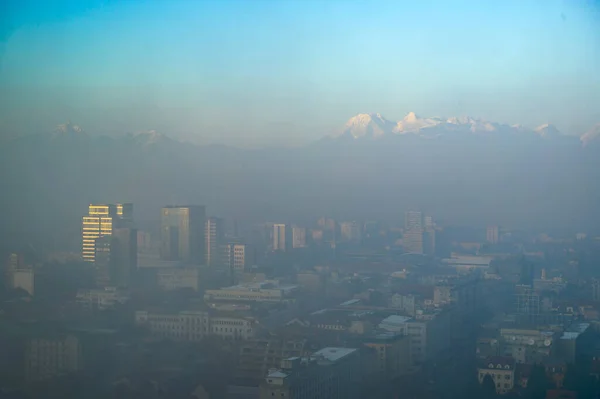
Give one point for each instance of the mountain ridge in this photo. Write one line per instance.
(375, 126)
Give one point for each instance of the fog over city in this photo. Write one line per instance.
(302, 199)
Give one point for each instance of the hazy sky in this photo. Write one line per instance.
(250, 70)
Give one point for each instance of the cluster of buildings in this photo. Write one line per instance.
(365, 314)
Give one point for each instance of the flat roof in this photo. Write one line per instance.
(395, 320)
(277, 374)
(334, 354)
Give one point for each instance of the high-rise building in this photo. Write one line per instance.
(413, 220)
(298, 237)
(429, 242)
(279, 237)
(233, 257)
(124, 256)
(413, 232)
(182, 234)
(350, 231)
(100, 222)
(213, 236)
(429, 235)
(428, 222)
(116, 258)
(492, 234)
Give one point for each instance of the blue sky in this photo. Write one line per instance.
(251, 71)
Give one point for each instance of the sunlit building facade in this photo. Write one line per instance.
(214, 235)
(279, 237)
(182, 233)
(100, 222)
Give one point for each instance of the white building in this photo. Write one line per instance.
(233, 257)
(101, 298)
(279, 237)
(492, 234)
(176, 278)
(195, 325)
(23, 279)
(298, 237)
(501, 370)
(266, 291)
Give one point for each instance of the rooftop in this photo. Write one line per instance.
(334, 354)
(395, 320)
(263, 285)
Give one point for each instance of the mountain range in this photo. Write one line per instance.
(460, 170)
(376, 126)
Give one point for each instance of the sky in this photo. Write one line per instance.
(253, 72)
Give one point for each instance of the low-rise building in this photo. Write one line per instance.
(101, 298)
(429, 333)
(258, 356)
(48, 357)
(328, 373)
(502, 371)
(392, 353)
(266, 291)
(23, 278)
(526, 345)
(195, 325)
(176, 278)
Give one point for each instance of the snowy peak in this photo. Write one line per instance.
(591, 135)
(547, 130)
(411, 117)
(367, 125)
(375, 126)
(68, 129)
(411, 123)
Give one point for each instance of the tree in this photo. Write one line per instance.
(488, 387)
(576, 379)
(538, 383)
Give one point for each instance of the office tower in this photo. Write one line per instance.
(428, 222)
(182, 234)
(413, 232)
(213, 237)
(492, 234)
(99, 222)
(279, 237)
(123, 254)
(116, 258)
(233, 257)
(428, 235)
(298, 237)
(102, 263)
(429, 242)
(350, 231)
(413, 220)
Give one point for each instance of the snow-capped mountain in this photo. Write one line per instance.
(367, 125)
(375, 126)
(412, 123)
(68, 129)
(547, 130)
(591, 135)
